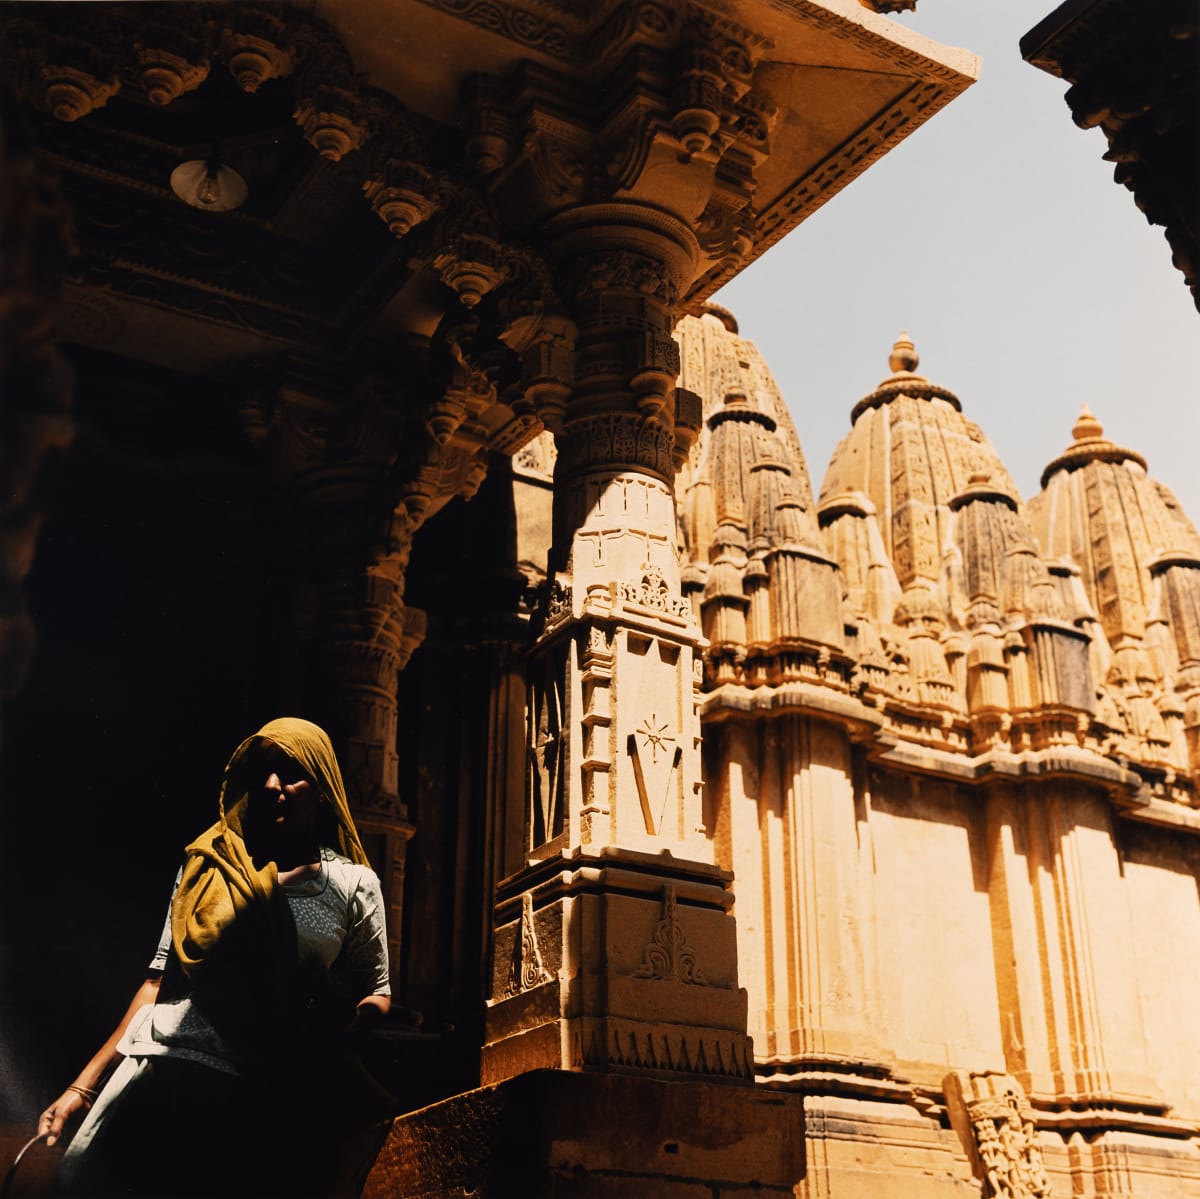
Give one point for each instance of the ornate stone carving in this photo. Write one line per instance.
(257, 46)
(650, 22)
(78, 77)
(618, 439)
(625, 270)
(400, 187)
(527, 970)
(992, 1114)
(654, 737)
(333, 120)
(547, 750)
(599, 647)
(172, 59)
(629, 1045)
(653, 591)
(668, 956)
(488, 127)
(403, 196)
(698, 100)
(511, 21)
(470, 256)
(370, 638)
(333, 109)
(558, 604)
(536, 458)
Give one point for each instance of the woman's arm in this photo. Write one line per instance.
(370, 1011)
(90, 1077)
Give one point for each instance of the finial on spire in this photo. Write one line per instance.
(1087, 426)
(904, 355)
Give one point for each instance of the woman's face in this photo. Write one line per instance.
(285, 798)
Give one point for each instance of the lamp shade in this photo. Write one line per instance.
(209, 185)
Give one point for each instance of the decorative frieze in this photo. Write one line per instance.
(626, 270)
(617, 439)
(673, 1051)
(530, 28)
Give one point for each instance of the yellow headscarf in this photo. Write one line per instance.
(231, 927)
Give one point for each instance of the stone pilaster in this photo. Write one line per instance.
(1068, 1003)
(1100, 1057)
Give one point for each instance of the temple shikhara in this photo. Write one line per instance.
(741, 833)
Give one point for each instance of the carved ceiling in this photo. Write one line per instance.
(374, 136)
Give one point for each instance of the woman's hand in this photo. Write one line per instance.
(60, 1112)
(81, 1094)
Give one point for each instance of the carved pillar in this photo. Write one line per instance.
(613, 946)
(350, 539)
(369, 636)
(638, 776)
(634, 173)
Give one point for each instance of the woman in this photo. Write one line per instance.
(234, 1072)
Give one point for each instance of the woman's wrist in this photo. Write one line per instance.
(89, 1095)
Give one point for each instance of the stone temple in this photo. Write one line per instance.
(740, 836)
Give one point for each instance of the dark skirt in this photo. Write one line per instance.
(178, 1128)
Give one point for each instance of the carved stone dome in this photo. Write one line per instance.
(747, 511)
(1100, 510)
(911, 452)
(715, 362)
(1137, 559)
(940, 565)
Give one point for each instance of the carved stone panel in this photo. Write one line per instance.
(547, 740)
(999, 1130)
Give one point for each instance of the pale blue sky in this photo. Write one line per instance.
(1029, 280)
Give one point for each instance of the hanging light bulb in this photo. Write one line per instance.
(207, 183)
(208, 190)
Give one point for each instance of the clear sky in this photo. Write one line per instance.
(1029, 280)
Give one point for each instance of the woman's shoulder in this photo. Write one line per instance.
(347, 875)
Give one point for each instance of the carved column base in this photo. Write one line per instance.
(618, 961)
(556, 1133)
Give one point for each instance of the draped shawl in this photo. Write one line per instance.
(231, 927)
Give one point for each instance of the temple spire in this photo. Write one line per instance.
(904, 358)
